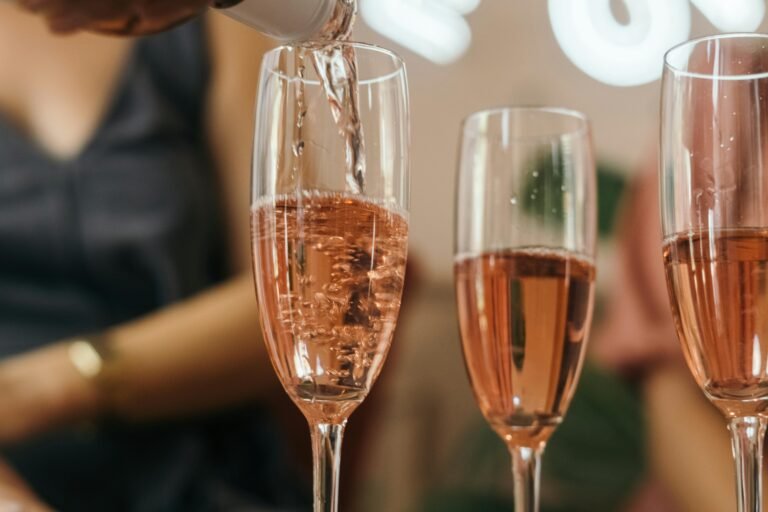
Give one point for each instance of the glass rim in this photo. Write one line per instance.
(691, 43)
(397, 60)
(583, 122)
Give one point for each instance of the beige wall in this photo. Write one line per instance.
(514, 59)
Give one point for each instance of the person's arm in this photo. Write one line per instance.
(15, 494)
(688, 442)
(236, 53)
(203, 353)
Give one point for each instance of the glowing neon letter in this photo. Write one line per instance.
(435, 29)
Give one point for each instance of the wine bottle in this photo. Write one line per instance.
(293, 20)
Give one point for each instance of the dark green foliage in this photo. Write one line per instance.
(545, 191)
(597, 456)
(610, 190)
(593, 462)
(467, 501)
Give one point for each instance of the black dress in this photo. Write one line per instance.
(128, 226)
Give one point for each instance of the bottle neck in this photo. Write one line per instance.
(294, 20)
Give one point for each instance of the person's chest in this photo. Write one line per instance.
(55, 89)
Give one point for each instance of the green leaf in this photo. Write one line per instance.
(611, 185)
(546, 189)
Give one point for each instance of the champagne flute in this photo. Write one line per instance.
(714, 201)
(524, 269)
(330, 230)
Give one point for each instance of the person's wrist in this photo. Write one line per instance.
(72, 397)
(42, 390)
(92, 359)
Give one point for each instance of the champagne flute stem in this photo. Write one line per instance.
(526, 469)
(326, 453)
(747, 440)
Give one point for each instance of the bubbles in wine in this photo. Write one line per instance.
(334, 268)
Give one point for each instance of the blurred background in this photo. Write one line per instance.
(430, 449)
(124, 211)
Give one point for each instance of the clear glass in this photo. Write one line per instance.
(714, 200)
(329, 245)
(524, 270)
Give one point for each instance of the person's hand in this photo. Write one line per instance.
(123, 17)
(15, 494)
(42, 390)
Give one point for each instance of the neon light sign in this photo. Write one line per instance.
(586, 30)
(632, 54)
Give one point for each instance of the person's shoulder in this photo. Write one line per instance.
(234, 47)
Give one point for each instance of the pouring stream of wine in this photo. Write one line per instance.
(336, 68)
